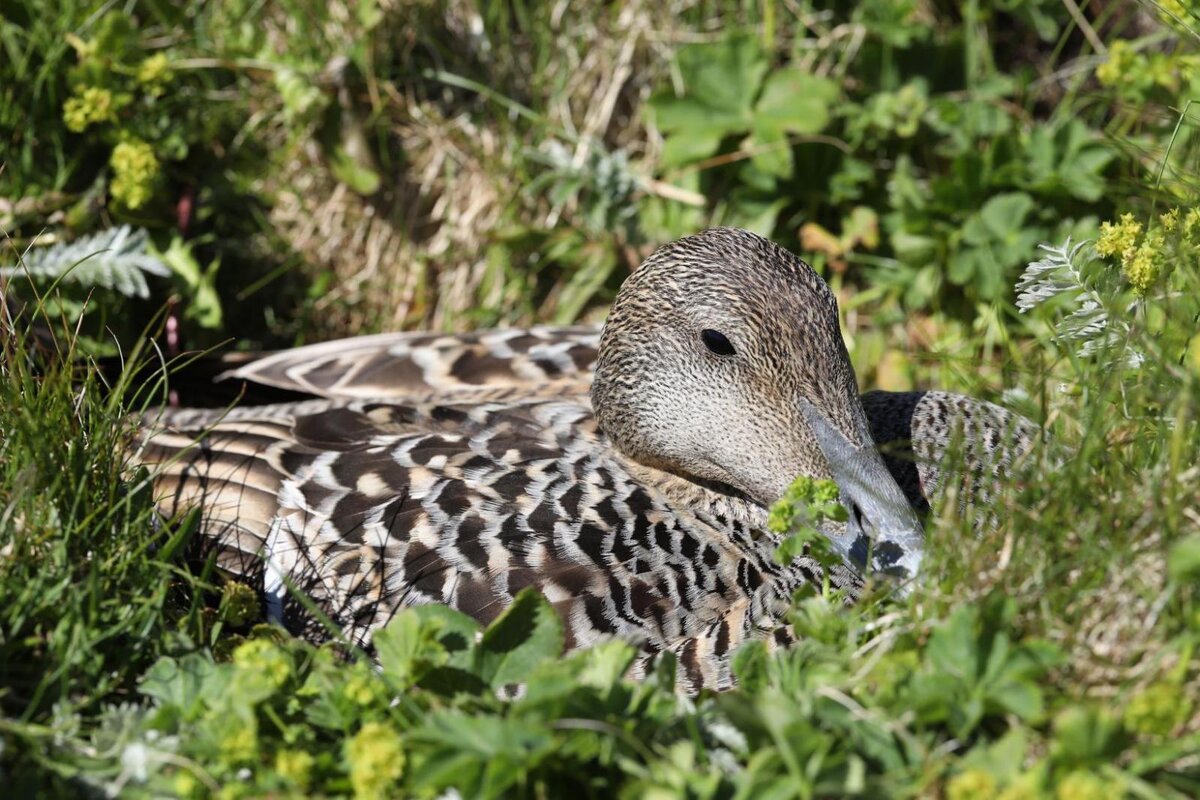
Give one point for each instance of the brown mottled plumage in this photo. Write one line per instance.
(460, 470)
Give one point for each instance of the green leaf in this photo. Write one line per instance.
(354, 172)
(203, 301)
(527, 633)
(720, 81)
(792, 102)
(403, 645)
(1183, 561)
(750, 665)
(180, 683)
(952, 647)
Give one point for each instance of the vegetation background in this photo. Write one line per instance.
(273, 172)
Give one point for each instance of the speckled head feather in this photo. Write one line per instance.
(665, 399)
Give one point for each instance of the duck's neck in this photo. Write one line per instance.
(687, 492)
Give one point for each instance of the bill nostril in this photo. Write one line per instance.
(857, 514)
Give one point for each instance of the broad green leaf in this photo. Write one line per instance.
(180, 682)
(1183, 561)
(605, 664)
(952, 649)
(421, 638)
(792, 102)
(1000, 215)
(720, 81)
(750, 665)
(527, 633)
(795, 101)
(403, 644)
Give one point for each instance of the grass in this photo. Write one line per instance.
(1054, 656)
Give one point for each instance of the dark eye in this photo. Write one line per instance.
(716, 342)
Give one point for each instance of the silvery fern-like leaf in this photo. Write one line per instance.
(117, 258)
(1054, 274)
(1059, 273)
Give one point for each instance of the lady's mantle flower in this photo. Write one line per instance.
(1118, 238)
(1157, 709)
(295, 766)
(1084, 785)
(154, 73)
(1169, 220)
(1141, 265)
(376, 757)
(239, 603)
(974, 784)
(363, 689)
(135, 168)
(88, 106)
(264, 661)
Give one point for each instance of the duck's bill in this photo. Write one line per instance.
(883, 533)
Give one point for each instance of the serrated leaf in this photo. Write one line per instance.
(527, 633)
(180, 683)
(720, 81)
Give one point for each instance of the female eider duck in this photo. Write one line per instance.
(625, 477)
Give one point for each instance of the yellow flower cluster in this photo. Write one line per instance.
(1191, 225)
(1145, 258)
(263, 660)
(1120, 237)
(88, 106)
(295, 766)
(240, 745)
(1141, 265)
(363, 689)
(1157, 709)
(135, 168)
(376, 757)
(154, 73)
(239, 603)
(974, 784)
(1084, 785)
(1120, 61)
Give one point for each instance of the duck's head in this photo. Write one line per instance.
(722, 361)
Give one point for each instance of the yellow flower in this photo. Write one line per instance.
(1191, 223)
(362, 689)
(1169, 220)
(154, 73)
(1119, 237)
(1141, 265)
(239, 603)
(89, 105)
(186, 784)
(135, 168)
(295, 766)
(974, 784)
(1020, 790)
(263, 660)
(376, 757)
(1084, 785)
(240, 745)
(1157, 709)
(1120, 61)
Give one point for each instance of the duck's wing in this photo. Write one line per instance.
(541, 361)
(364, 507)
(927, 436)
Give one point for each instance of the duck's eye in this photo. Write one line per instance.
(716, 342)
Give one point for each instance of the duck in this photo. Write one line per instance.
(625, 473)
